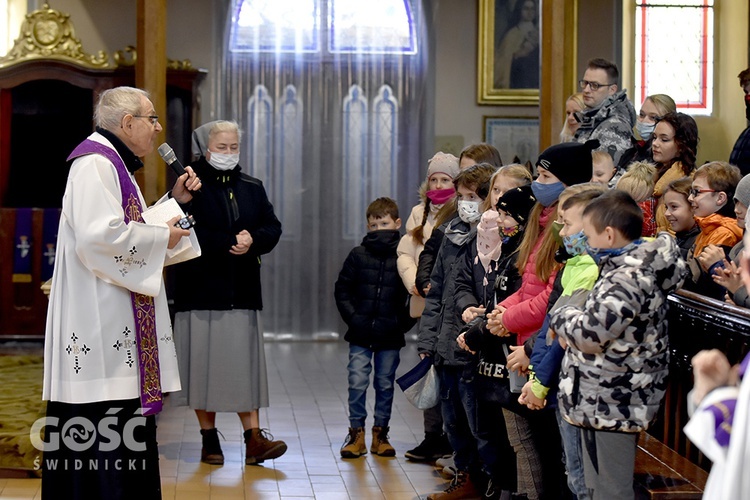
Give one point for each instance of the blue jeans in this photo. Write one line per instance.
(360, 366)
(571, 439)
(458, 405)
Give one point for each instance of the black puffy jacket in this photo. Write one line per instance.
(370, 295)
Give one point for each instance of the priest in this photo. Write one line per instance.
(109, 352)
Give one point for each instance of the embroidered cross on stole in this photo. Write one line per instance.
(143, 305)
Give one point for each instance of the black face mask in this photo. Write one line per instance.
(747, 106)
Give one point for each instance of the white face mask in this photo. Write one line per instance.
(469, 211)
(221, 161)
(645, 129)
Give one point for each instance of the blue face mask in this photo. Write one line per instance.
(575, 244)
(600, 253)
(547, 194)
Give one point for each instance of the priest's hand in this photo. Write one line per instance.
(175, 232)
(186, 184)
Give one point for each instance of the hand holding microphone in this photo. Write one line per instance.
(187, 183)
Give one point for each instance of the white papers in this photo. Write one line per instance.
(159, 214)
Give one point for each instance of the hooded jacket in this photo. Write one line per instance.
(441, 321)
(614, 372)
(612, 123)
(370, 296)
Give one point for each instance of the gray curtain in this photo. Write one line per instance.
(315, 136)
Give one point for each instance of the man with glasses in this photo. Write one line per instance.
(609, 116)
(109, 349)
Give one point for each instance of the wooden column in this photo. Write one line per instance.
(151, 75)
(559, 25)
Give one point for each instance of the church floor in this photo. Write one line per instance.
(308, 388)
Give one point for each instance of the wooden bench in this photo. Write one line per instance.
(661, 473)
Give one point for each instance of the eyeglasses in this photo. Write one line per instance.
(695, 192)
(593, 85)
(152, 118)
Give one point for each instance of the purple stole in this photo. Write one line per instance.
(143, 305)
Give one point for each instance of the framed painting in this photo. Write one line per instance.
(517, 139)
(508, 52)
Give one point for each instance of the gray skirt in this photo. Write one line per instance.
(222, 361)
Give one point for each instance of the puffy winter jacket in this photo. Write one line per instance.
(612, 123)
(370, 296)
(614, 372)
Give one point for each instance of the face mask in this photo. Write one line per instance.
(575, 244)
(506, 233)
(645, 129)
(600, 253)
(469, 211)
(555, 228)
(440, 196)
(221, 161)
(547, 194)
(747, 106)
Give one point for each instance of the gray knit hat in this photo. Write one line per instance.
(443, 163)
(742, 192)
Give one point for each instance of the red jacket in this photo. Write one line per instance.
(525, 309)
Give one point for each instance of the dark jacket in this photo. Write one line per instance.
(217, 280)
(685, 239)
(370, 296)
(427, 258)
(441, 322)
(474, 286)
(740, 155)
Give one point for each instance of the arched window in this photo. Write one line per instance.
(331, 96)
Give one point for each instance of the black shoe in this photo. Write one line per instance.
(432, 447)
(211, 451)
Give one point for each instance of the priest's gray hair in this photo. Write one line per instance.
(115, 103)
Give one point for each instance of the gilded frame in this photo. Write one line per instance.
(489, 90)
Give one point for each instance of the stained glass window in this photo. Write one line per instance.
(674, 52)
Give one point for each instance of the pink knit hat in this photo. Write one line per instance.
(443, 163)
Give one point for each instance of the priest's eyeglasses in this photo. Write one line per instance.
(152, 118)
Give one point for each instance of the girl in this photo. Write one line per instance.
(654, 107)
(674, 146)
(679, 214)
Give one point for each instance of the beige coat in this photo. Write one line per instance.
(408, 253)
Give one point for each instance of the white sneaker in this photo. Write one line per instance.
(446, 466)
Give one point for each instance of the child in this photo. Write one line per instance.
(492, 381)
(712, 199)
(436, 191)
(614, 372)
(638, 182)
(440, 325)
(571, 287)
(603, 169)
(679, 214)
(473, 154)
(372, 302)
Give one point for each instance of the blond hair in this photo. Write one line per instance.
(638, 181)
(566, 135)
(519, 173)
(220, 126)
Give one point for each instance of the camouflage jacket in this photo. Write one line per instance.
(614, 372)
(612, 123)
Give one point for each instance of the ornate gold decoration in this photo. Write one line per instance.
(49, 34)
(129, 55)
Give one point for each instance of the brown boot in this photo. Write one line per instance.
(211, 451)
(260, 446)
(380, 445)
(354, 446)
(460, 487)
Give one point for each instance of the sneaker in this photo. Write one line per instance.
(446, 466)
(211, 450)
(260, 446)
(460, 487)
(435, 445)
(354, 445)
(380, 445)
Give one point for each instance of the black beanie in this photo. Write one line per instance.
(517, 203)
(570, 161)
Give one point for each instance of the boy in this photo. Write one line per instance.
(615, 373)
(712, 199)
(373, 303)
(603, 169)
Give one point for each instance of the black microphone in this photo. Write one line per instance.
(167, 154)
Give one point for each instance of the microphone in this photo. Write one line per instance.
(167, 154)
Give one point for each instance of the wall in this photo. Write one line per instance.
(456, 109)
